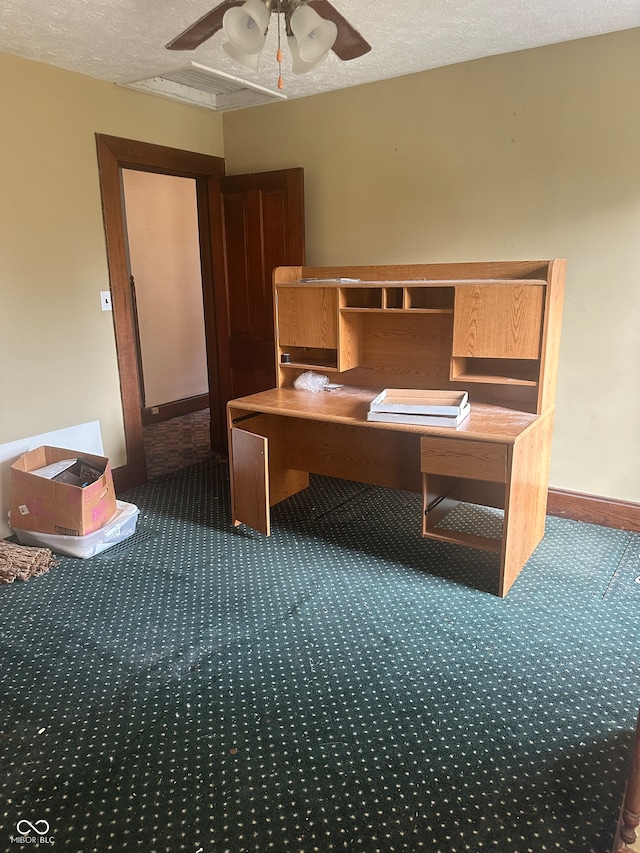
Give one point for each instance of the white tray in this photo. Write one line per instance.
(419, 402)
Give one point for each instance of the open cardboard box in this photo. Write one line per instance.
(47, 505)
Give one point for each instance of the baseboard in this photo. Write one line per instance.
(608, 512)
(166, 411)
(127, 476)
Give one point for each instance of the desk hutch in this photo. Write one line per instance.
(491, 329)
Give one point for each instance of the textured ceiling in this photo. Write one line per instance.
(120, 40)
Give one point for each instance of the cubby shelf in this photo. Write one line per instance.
(496, 371)
(493, 379)
(310, 359)
(299, 365)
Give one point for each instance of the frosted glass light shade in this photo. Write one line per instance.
(315, 35)
(248, 60)
(298, 66)
(246, 26)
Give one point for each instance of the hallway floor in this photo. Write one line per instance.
(177, 443)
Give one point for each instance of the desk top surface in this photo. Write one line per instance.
(349, 405)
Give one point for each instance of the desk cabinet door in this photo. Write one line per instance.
(498, 321)
(250, 485)
(308, 317)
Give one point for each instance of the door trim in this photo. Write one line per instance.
(115, 154)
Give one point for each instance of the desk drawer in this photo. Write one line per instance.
(473, 460)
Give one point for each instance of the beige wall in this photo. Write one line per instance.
(57, 348)
(528, 155)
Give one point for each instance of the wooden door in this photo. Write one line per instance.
(257, 224)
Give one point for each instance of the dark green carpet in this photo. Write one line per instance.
(343, 685)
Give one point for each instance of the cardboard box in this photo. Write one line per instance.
(49, 506)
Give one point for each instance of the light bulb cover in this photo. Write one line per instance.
(315, 36)
(247, 60)
(246, 26)
(297, 64)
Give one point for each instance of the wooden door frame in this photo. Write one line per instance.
(115, 154)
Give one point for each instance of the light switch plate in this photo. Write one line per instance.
(105, 300)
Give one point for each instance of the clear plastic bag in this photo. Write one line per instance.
(310, 381)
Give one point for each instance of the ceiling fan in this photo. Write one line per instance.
(313, 27)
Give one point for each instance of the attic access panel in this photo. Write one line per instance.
(205, 87)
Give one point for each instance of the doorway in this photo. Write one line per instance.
(247, 226)
(114, 155)
(164, 260)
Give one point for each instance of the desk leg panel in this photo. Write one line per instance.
(285, 479)
(526, 504)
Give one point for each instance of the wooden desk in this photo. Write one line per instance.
(437, 326)
(493, 458)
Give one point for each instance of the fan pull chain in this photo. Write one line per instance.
(279, 54)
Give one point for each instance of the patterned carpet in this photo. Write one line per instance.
(342, 685)
(177, 443)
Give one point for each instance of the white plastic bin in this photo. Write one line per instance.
(121, 526)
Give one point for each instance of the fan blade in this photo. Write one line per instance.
(205, 27)
(349, 44)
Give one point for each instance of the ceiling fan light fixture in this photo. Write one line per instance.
(315, 36)
(310, 36)
(246, 26)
